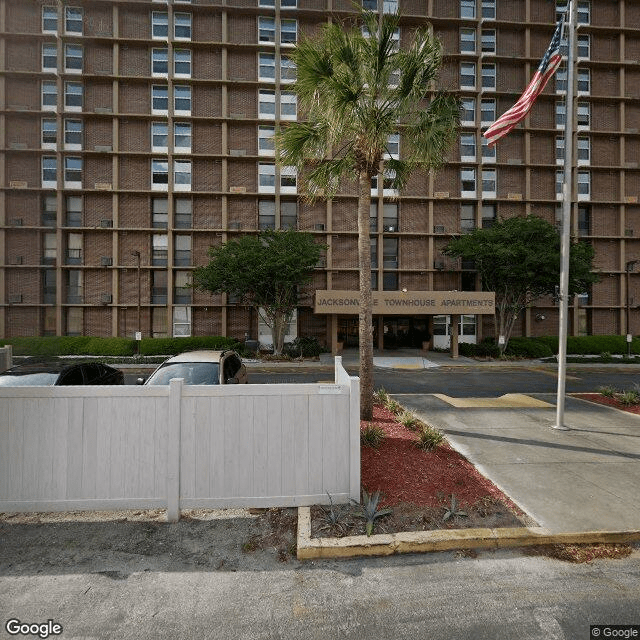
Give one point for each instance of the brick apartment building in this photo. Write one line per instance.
(138, 133)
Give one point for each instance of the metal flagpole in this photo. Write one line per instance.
(567, 192)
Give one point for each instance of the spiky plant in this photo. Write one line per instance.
(409, 420)
(453, 511)
(429, 438)
(371, 435)
(369, 509)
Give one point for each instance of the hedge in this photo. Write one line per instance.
(89, 346)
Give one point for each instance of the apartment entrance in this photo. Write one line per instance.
(405, 332)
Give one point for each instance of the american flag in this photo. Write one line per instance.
(548, 65)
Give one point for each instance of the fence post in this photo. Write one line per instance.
(173, 449)
(336, 368)
(6, 357)
(354, 438)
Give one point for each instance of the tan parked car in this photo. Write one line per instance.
(201, 367)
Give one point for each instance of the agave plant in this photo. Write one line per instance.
(453, 510)
(333, 519)
(369, 509)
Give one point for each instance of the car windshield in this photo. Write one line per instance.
(192, 372)
(42, 379)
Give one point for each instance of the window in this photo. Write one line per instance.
(49, 133)
(584, 221)
(288, 215)
(390, 217)
(559, 149)
(49, 171)
(159, 285)
(468, 9)
(561, 10)
(182, 137)
(489, 75)
(561, 114)
(488, 40)
(49, 20)
(467, 217)
(159, 136)
(72, 134)
(182, 251)
(370, 5)
(584, 45)
(489, 9)
(583, 113)
(561, 80)
(159, 213)
(181, 321)
(287, 69)
(73, 211)
(74, 249)
(467, 75)
(468, 111)
(49, 286)
(49, 210)
(288, 31)
(584, 185)
(73, 172)
(159, 256)
(390, 253)
(182, 290)
(74, 286)
(288, 180)
(584, 9)
(373, 217)
(159, 175)
(266, 214)
(390, 281)
(267, 104)
(182, 63)
(49, 249)
(73, 96)
(584, 80)
(468, 179)
(467, 147)
(488, 215)
(288, 105)
(559, 181)
(393, 146)
(584, 150)
(159, 98)
(266, 177)
(182, 26)
(267, 3)
(373, 242)
(182, 218)
(73, 20)
(49, 57)
(159, 62)
(487, 111)
(267, 66)
(488, 153)
(160, 25)
(467, 40)
(266, 144)
(49, 96)
(266, 29)
(182, 100)
(390, 6)
(488, 183)
(73, 58)
(182, 175)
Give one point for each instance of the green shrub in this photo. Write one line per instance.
(429, 438)
(409, 420)
(607, 392)
(394, 407)
(381, 396)
(527, 348)
(71, 346)
(485, 349)
(371, 435)
(307, 347)
(173, 346)
(629, 398)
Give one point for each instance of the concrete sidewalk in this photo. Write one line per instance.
(584, 479)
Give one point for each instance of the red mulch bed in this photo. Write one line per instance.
(406, 474)
(610, 402)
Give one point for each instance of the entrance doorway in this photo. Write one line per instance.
(405, 332)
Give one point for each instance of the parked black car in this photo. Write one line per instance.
(50, 373)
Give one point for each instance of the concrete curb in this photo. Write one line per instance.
(441, 540)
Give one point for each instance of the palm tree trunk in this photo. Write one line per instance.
(365, 317)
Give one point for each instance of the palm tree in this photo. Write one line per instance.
(356, 88)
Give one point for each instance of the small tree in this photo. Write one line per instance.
(519, 259)
(265, 271)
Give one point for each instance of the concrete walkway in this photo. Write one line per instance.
(584, 479)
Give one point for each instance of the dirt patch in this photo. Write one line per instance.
(580, 553)
(609, 402)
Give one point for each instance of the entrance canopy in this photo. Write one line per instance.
(408, 302)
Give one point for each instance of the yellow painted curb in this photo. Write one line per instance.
(441, 540)
(507, 401)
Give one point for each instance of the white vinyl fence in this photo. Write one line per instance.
(173, 447)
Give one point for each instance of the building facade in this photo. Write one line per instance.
(136, 134)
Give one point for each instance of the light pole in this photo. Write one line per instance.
(628, 268)
(136, 254)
